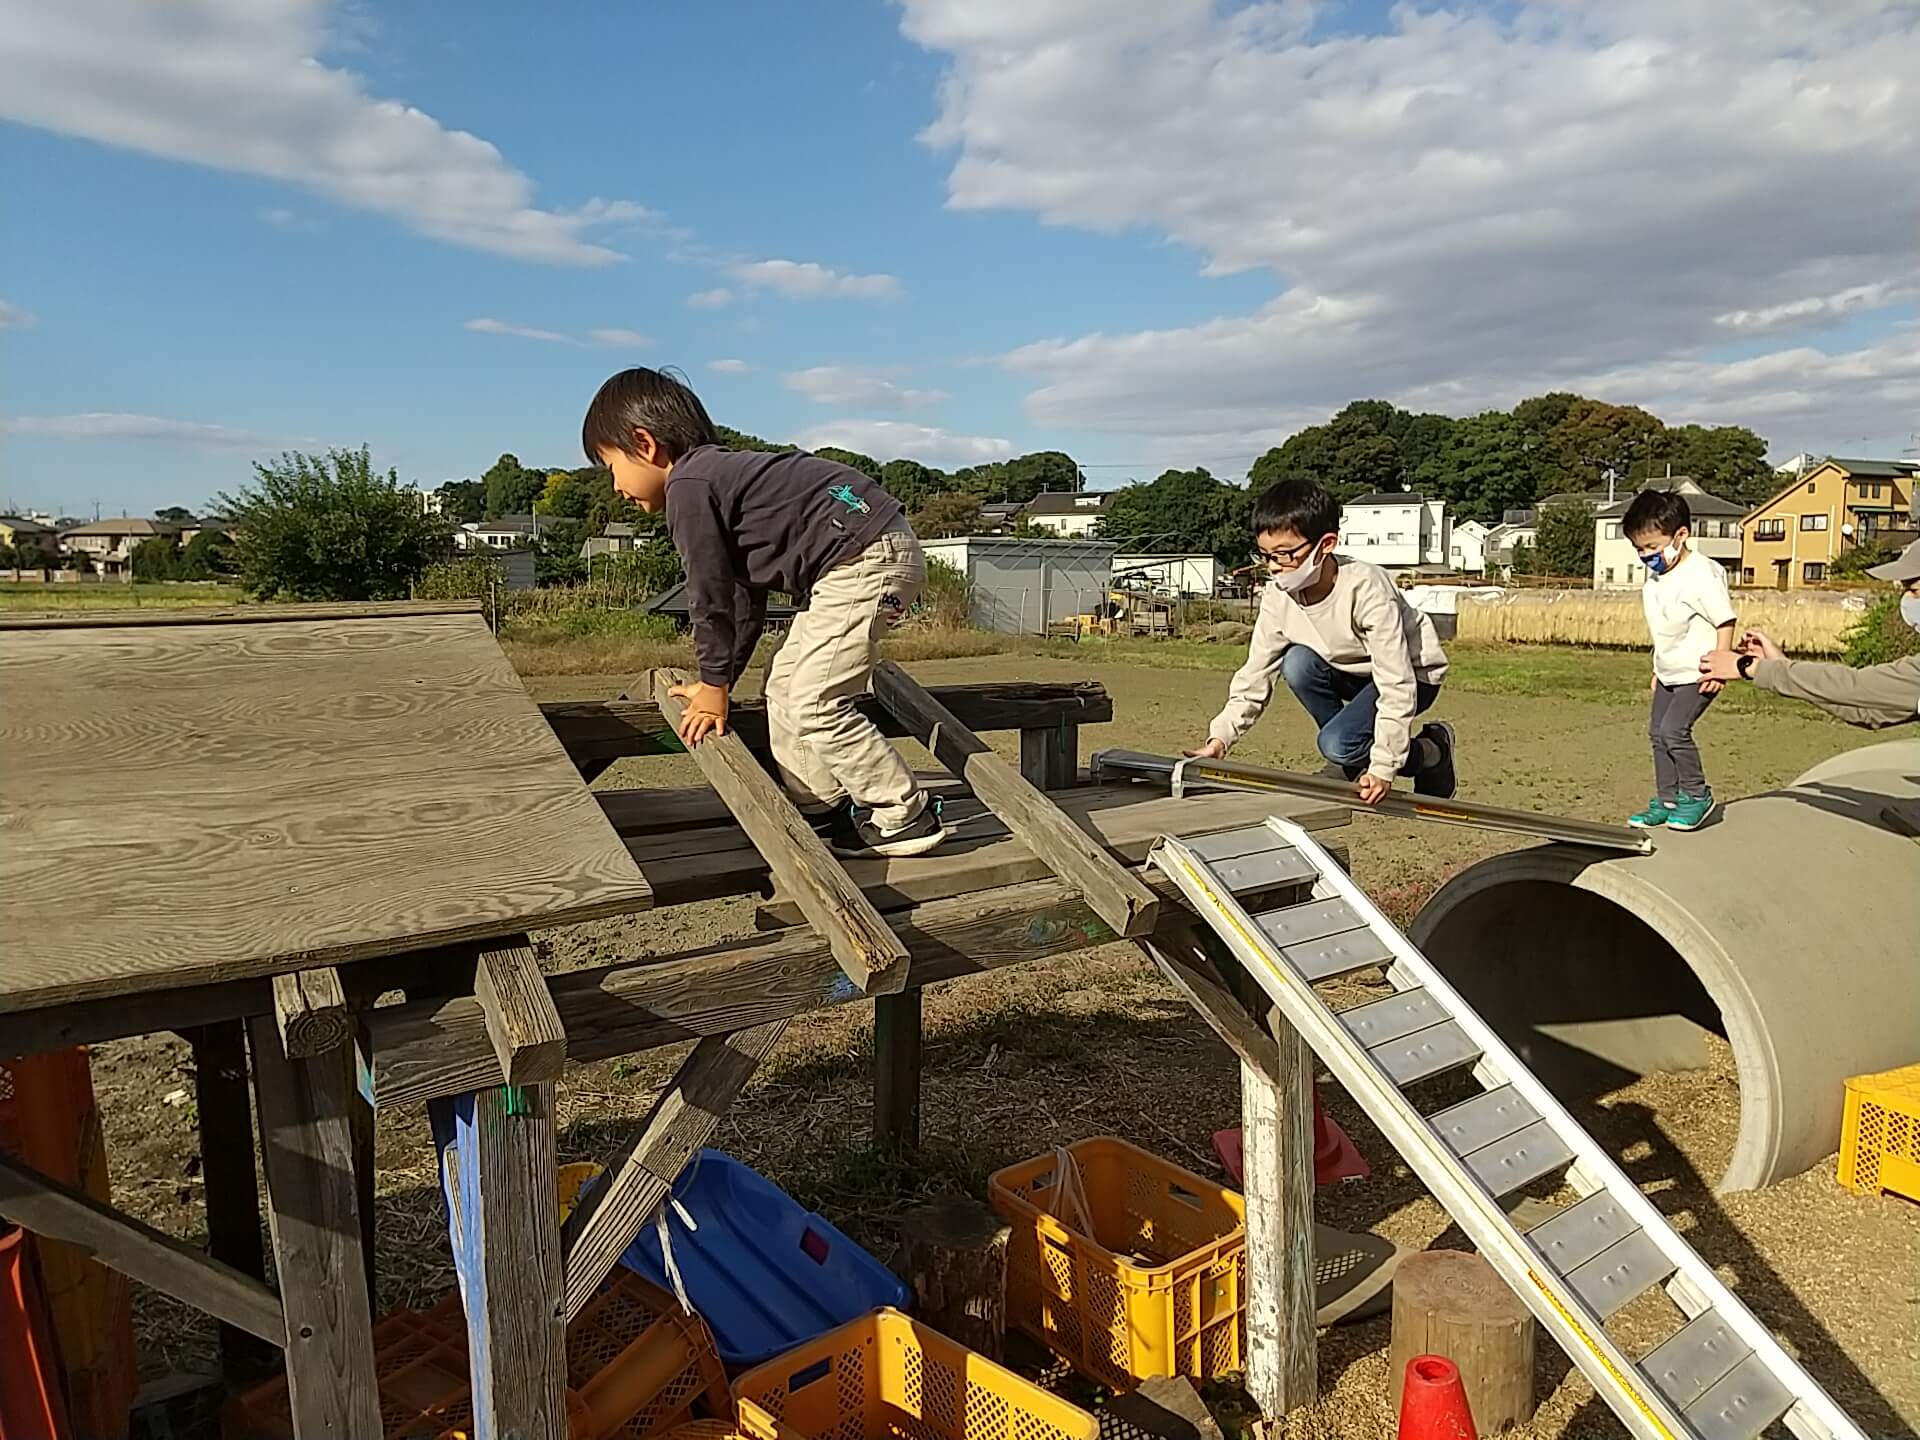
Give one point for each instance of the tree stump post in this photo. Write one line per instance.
(1454, 1304)
(954, 1254)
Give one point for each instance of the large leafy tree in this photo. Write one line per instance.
(330, 527)
(511, 487)
(952, 512)
(1185, 510)
(174, 514)
(463, 501)
(1728, 460)
(910, 482)
(1350, 455)
(208, 556)
(156, 558)
(1594, 437)
(1565, 538)
(865, 464)
(1483, 469)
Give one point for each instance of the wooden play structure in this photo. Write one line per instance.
(249, 826)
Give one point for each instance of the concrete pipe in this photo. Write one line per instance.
(1791, 926)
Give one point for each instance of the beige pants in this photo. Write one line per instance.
(826, 749)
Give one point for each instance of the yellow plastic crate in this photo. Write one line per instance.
(1158, 1289)
(885, 1377)
(1880, 1133)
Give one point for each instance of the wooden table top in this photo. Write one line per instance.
(187, 803)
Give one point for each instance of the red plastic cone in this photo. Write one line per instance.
(1433, 1402)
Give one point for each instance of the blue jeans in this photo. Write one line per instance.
(1343, 706)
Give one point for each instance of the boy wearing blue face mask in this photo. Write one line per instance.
(1690, 617)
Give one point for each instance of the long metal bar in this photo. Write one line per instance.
(1183, 775)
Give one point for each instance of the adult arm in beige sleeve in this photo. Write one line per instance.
(1872, 697)
(1382, 624)
(1252, 684)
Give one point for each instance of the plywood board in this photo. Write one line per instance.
(181, 804)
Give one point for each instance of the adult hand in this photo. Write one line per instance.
(706, 712)
(1719, 666)
(1756, 642)
(1214, 749)
(1371, 789)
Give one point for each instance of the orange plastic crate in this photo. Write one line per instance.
(419, 1367)
(1880, 1133)
(1158, 1288)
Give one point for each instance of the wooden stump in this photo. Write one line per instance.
(1451, 1303)
(954, 1254)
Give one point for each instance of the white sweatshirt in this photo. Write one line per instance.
(1364, 627)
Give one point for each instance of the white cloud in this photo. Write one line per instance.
(630, 339)
(729, 367)
(283, 218)
(484, 326)
(16, 317)
(710, 299)
(895, 439)
(804, 280)
(858, 388)
(1482, 203)
(113, 425)
(239, 85)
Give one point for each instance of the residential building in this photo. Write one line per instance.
(1467, 547)
(509, 532)
(1067, 513)
(999, 516)
(18, 532)
(1507, 537)
(1397, 531)
(1715, 532)
(1792, 539)
(110, 543)
(616, 539)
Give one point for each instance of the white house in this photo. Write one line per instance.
(1715, 533)
(1397, 531)
(1190, 575)
(1505, 538)
(1071, 514)
(509, 532)
(1467, 547)
(110, 543)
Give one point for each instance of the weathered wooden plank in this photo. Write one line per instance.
(525, 1028)
(310, 1009)
(1276, 1129)
(313, 785)
(1050, 754)
(1178, 953)
(606, 730)
(896, 1071)
(231, 614)
(869, 952)
(683, 1118)
(30, 1199)
(306, 1137)
(499, 1177)
(225, 1102)
(1119, 897)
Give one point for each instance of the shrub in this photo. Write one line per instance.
(1881, 635)
(946, 600)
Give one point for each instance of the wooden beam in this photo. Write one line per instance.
(683, 1118)
(306, 1137)
(525, 1028)
(602, 731)
(1179, 953)
(896, 1072)
(1050, 754)
(498, 1171)
(1276, 1136)
(46, 1207)
(225, 1103)
(1117, 896)
(310, 1009)
(870, 953)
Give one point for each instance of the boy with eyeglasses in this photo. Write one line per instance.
(1355, 654)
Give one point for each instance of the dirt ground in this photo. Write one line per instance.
(1021, 1060)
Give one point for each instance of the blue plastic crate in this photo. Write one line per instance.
(764, 1274)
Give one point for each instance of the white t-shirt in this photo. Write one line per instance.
(1684, 607)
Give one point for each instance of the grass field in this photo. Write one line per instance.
(105, 595)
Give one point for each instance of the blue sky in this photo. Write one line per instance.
(948, 228)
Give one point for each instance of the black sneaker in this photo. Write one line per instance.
(1438, 779)
(919, 835)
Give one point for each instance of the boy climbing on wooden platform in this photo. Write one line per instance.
(747, 523)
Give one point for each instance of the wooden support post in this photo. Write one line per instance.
(872, 956)
(1117, 896)
(1276, 1122)
(306, 1138)
(1451, 1303)
(497, 1169)
(225, 1103)
(683, 1119)
(954, 1254)
(1050, 755)
(310, 1008)
(59, 1212)
(525, 1028)
(896, 1072)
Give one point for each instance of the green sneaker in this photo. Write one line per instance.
(1690, 812)
(1654, 816)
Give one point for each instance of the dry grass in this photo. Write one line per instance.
(1804, 622)
(626, 649)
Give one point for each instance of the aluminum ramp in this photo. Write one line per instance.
(1719, 1375)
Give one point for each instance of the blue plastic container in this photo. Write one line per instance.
(764, 1274)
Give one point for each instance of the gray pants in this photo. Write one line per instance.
(1676, 759)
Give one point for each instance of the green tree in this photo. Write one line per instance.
(1184, 510)
(1420, 438)
(1043, 471)
(463, 501)
(1350, 455)
(1565, 544)
(511, 487)
(865, 464)
(174, 514)
(331, 527)
(1594, 437)
(1728, 460)
(1483, 469)
(1880, 634)
(910, 482)
(948, 513)
(739, 440)
(156, 558)
(208, 556)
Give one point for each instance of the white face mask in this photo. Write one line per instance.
(1302, 576)
(1910, 610)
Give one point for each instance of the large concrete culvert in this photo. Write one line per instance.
(1791, 926)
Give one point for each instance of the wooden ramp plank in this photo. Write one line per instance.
(521, 1021)
(1118, 897)
(870, 954)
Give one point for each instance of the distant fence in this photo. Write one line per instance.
(1803, 622)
